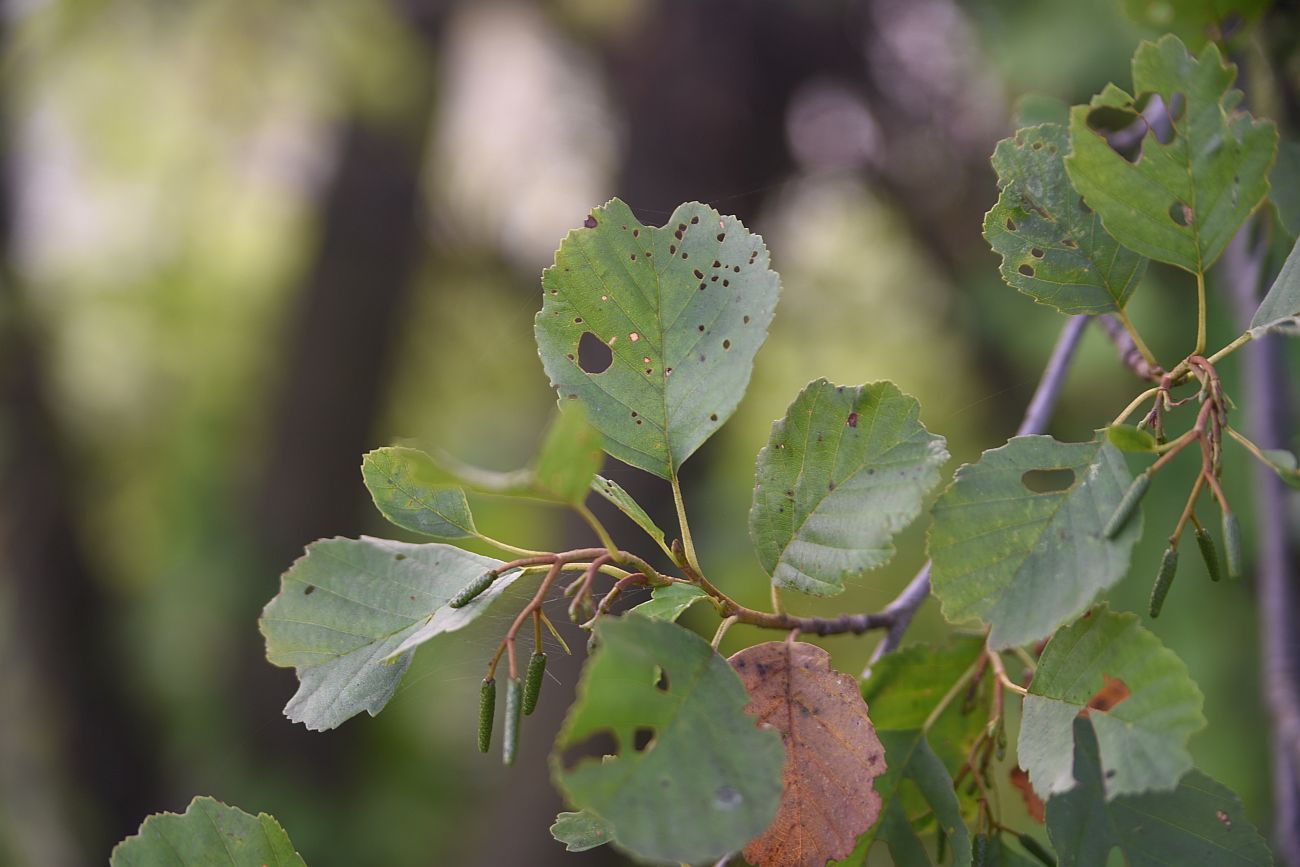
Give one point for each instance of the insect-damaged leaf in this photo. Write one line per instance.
(348, 605)
(1143, 705)
(1280, 309)
(1202, 166)
(581, 831)
(1199, 824)
(414, 493)
(678, 311)
(840, 476)
(1017, 538)
(832, 753)
(702, 780)
(1054, 249)
(208, 834)
(668, 602)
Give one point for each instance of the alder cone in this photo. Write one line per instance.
(832, 754)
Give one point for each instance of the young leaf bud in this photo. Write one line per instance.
(514, 695)
(1164, 579)
(1209, 553)
(533, 681)
(1232, 544)
(1127, 506)
(473, 589)
(487, 706)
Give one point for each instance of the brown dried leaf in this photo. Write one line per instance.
(1033, 803)
(832, 754)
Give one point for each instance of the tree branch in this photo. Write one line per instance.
(904, 607)
(1265, 390)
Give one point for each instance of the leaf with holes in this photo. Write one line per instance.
(581, 831)
(840, 476)
(414, 493)
(348, 605)
(208, 834)
(623, 501)
(1200, 823)
(678, 313)
(1022, 550)
(1054, 249)
(708, 780)
(1280, 310)
(1142, 703)
(668, 602)
(832, 753)
(1202, 163)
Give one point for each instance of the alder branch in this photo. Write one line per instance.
(1265, 389)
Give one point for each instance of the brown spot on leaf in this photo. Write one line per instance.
(311, 588)
(832, 754)
(1112, 692)
(853, 419)
(1033, 803)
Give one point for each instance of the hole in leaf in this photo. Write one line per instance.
(1181, 214)
(1027, 270)
(746, 320)
(1122, 128)
(590, 222)
(726, 344)
(713, 416)
(1177, 106)
(1048, 481)
(593, 355)
(661, 683)
(1011, 225)
(1036, 253)
(310, 589)
(643, 738)
(600, 744)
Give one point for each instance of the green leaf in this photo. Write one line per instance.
(1025, 561)
(840, 476)
(1284, 186)
(1053, 249)
(708, 781)
(570, 457)
(1128, 438)
(1196, 20)
(208, 834)
(668, 602)
(1179, 202)
(1284, 464)
(348, 605)
(1280, 309)
(1199, 824)
(414, 493)
(581, 831)
(1142, 703)
(912, 767)
(683, 309)
(614, 492)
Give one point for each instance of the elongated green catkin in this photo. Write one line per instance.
(1232, 544)
(487, 706)
(1033, 847)
(514, 696)
(533, 681)
(473, 589)
(1164, 580)
(983, 853)
(1127, 506)
(1209, 553)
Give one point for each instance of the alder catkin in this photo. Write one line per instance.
(533, 681)
(514, 694)
(1232, 544)
(487, 706)
(1209, 553)
(983, 853)
(1033, 847)
(473, 589)
(1164, 580)
(1127, 506)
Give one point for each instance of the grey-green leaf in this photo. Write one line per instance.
(414, 493)
(570, 456)
(1284, 186)
(1201, 823)
(1280, 309)
(681, 311)
(614, 492)
(1138, 694)
(347, 605)
(1026, 559)
(208, 834)
(841, 475)
(1052, 248)
(708, 781)
(1182, 201)
(668, 602)
(1284, 464)
(581, 831)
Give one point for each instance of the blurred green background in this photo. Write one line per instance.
(244, 242)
